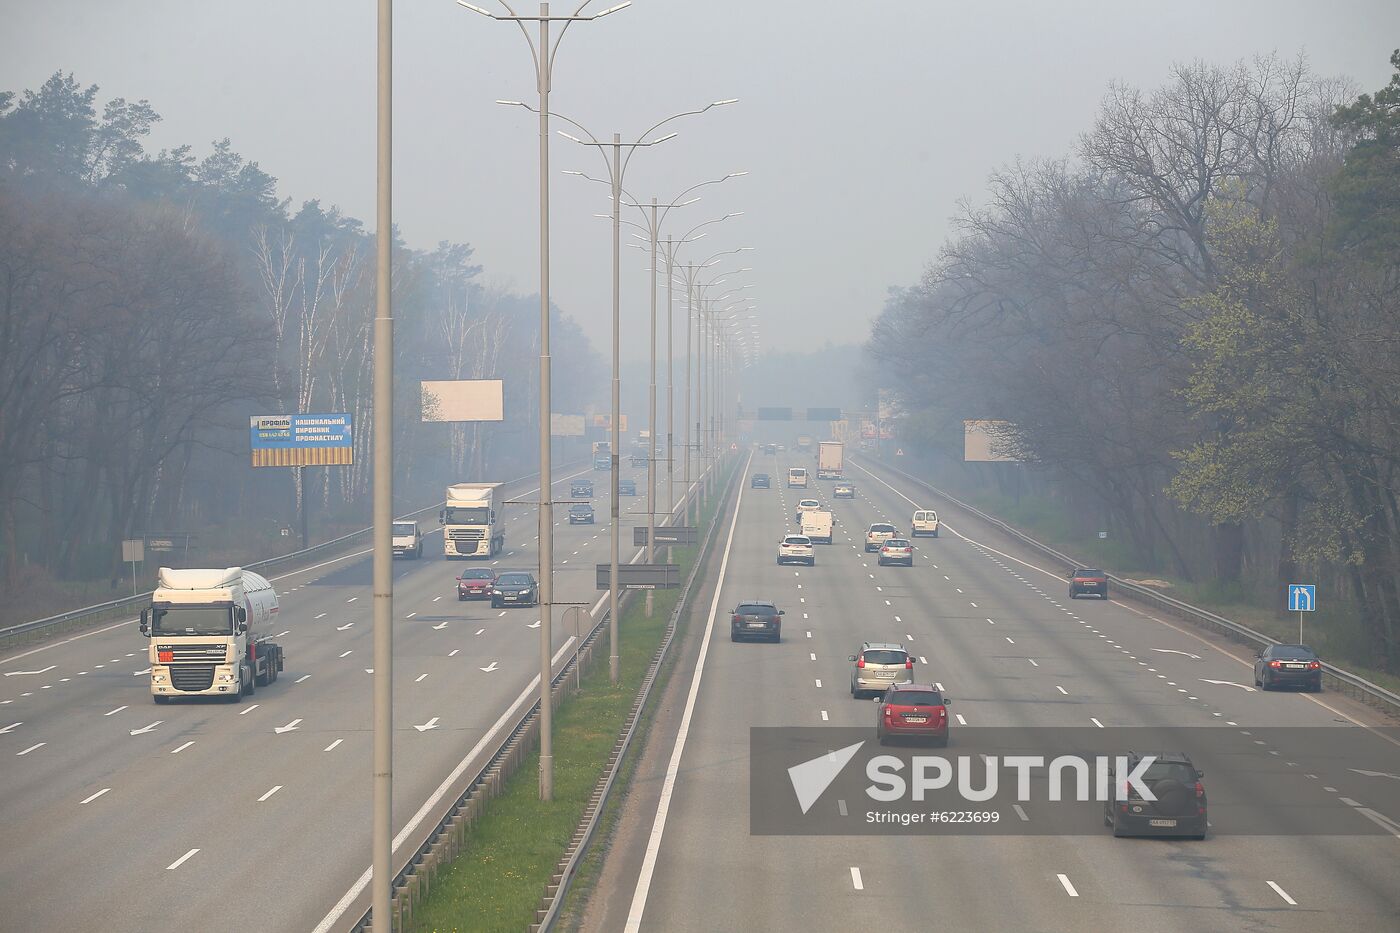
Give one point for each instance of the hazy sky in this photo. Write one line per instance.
(861, 124)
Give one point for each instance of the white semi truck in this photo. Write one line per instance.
(473, 525)
(829, 459)
(211, 634)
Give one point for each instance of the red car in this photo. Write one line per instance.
(476, 584)
(913, 711)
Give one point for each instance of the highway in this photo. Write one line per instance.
(992, 624)
(123, 815)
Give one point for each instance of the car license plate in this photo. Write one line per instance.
(1296, 667)
(1162, 823)
(916, 719)
(888, 675)
(758, 625)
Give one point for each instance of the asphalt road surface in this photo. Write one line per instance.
(992, 623)
(118, 814)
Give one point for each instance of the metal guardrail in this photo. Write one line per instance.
(1351, 684)
(447, 835)
(140, 599)
(583, 836)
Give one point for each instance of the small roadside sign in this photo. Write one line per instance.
(1302, 597)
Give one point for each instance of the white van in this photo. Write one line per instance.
(924, 522)
(817, 526)
(797, 477)
(408, 540)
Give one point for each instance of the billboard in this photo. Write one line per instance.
(888, 406)
(605, 422)
(990, 441)
(565, 425)
(301, 440)
(463, 400)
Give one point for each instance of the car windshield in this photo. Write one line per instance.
(191, 620)
(798, 472)
(756, 609)
(885, 656)
(580, 508)
(477, 575)
(1170, 770)
(915, 698)
(896, 543)
(515, 579)
(882, 529)
(404, 528)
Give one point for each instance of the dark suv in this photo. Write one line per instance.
(1288, 665)
(756, 619)
(1088, 582)
(1180, 807)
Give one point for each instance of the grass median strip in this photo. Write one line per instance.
(496, 883)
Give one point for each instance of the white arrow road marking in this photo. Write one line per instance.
(1228, 683)
(144, 729)
(289, 727)
(21, 673)
(139, 673)
(1193, 657)
(1384, 774)
(491, 667)
(440, 626)
(535, 624)
(430, 724)
(12, 726)
(341, 628)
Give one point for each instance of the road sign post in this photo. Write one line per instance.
(1302, 597)
(134, 552)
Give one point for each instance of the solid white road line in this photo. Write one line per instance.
(332, 746)
(176, 751)
(181, 860)
(1283, 894)
(248, 709)
(117, 710)
(663, 807)
(30, 749)
(302, 677)
(1069, 888)
(856, 881)
(419, 678)
(96, 795)
(1096, 722)
(275, 789)
(1061, 689)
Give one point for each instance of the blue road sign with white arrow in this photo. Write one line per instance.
(1302, 597)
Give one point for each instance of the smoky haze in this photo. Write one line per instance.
(861, 126)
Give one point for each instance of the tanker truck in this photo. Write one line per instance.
(210, 634)
(472, 525)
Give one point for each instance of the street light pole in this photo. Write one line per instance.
(544, 61)
(382, 869)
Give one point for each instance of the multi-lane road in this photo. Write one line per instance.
(118, 814)
(992, 623)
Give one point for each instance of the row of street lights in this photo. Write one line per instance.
(715, 348)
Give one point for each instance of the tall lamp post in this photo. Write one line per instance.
(544, 53)
(617, 167)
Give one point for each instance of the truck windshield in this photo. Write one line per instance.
(406, 529)
(191, 620)
(468, 516)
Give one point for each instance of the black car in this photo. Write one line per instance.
(515, 588)
(756, 619)
(1288, 665)
(1086, 581)
(581, 487)
(759, 481)
(1180, 807)
(626, 487)
(580, 513)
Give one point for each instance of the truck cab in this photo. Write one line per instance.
(472, 525)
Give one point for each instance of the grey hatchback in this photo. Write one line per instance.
(878, 666)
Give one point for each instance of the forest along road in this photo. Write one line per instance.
(995, 628)
(160, 817)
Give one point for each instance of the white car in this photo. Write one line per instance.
(879, 533)
(806, 505)
(796, 549)
(797, 476)
(924, 522)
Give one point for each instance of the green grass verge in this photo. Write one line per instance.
(497, 882)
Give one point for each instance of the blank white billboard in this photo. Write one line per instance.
(464, 400)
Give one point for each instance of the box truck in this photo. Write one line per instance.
(473, 525)
(829, 457)
(210, 634)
